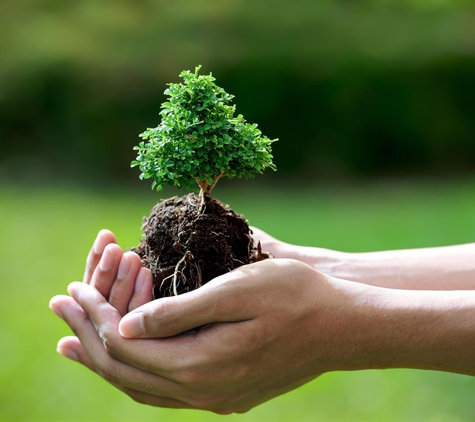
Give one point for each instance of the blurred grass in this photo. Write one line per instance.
(45, 234)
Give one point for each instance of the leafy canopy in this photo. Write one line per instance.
(199, 139)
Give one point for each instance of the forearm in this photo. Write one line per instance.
(442, 268)
(410, 329)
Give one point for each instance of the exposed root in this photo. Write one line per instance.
(185, 244)
(181, 261)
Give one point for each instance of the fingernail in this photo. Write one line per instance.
(56, 310)
(132, 325)
(107, 261)
(99, 245)
(140, 280)
(124, 268)
(68, 353)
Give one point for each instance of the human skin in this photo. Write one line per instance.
(273, 326)
(118, 276)
(440, 268)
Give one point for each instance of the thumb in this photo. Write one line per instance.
(223, 299)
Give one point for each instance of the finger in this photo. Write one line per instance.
(71, 348)
(143, 291)
(223, 299)
(96, 346)
(104, 237)
(106, 272)
(164, 357)
(123, 287)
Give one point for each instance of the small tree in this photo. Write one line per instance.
(200, 139)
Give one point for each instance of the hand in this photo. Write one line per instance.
(273, 326)
(269, 327)
(327, 261)
(118, 276)
(439, 268)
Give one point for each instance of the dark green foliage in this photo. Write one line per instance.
(353, 89)
(200, 139)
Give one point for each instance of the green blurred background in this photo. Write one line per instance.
(373, 103)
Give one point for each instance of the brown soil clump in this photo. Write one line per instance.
(185, 245)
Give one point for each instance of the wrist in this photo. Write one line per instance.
(333, 263)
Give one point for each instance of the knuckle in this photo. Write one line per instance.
(110, 343)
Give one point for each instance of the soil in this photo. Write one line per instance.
(186, 244)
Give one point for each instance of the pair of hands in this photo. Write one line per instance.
(258, 341)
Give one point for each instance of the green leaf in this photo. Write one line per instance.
(200, 133)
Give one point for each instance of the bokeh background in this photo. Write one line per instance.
(373, 103)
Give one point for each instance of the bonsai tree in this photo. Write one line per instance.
(190, 240)
(200, 140)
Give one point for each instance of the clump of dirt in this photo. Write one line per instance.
(186, 243)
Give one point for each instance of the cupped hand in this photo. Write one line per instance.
(118, 276)
(269, 327)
